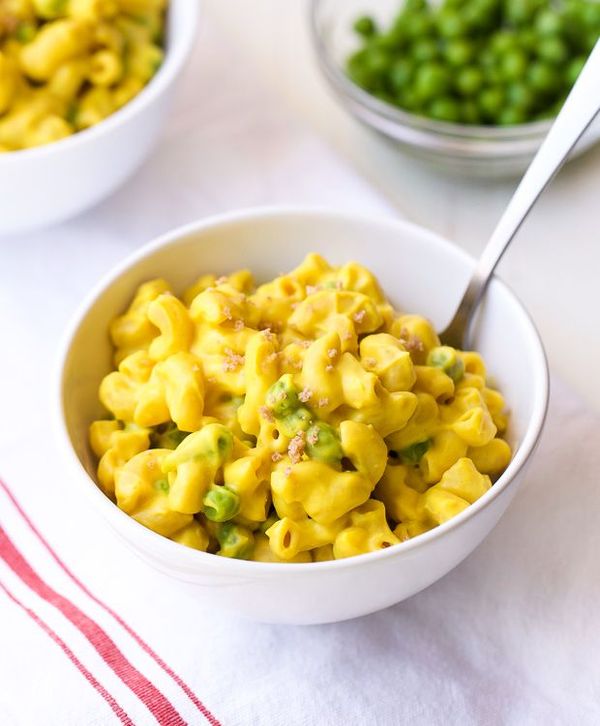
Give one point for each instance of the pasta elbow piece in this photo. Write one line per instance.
(385, 356)
(401, 501)
(288, 537)
(318, 374)
(248, 477)
(142, 491)
(391, 413)
(445, 450)
(311, 269)
(192, 535)
(132, 331)
(358, 386)
(261, 371)
(175, 391)
(417, 334)
(324, 493)
(491, 459)
(170, 316)
(193, 466)
(442, 505)
(263, 552)
(368, 532)
(435, 382)
(54, 44)
(463, 480)
(365, 448)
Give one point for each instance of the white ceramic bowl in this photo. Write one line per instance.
(420, 272)
(51, 183)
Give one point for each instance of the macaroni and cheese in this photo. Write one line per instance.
(301, 420)
(65, 65)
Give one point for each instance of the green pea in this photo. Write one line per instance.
(365, 26)
(511, 116)
(298, 420)
(282, 396)
(413, 454)
(323, 444)
(520, 95)
(417, 25)
(447, 359)
(424, 50)
(490, 102)
(514, 64)
(401, 74)
(459, 52)
(469, 81)
(235, 541)
(590, 15)
(548, 22)
(431, 80)
(504, 41)
(542, 77)
(377, 60)
(220, 504)
(445, 108)
(478, 18)
(554, 50)
(451, 23)
(520, 12)
(574, 69)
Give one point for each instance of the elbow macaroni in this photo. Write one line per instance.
(67, 64)
(302, 420)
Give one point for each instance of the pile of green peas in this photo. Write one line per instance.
(490, 62)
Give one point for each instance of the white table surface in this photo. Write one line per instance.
(555, 262)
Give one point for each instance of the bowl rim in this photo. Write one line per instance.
(476, 136)
(189, 557)
(175, 57)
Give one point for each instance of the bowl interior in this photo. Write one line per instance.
(420, 273)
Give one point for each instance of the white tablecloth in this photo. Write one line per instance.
(512, 636)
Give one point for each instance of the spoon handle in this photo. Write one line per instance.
(579, 110)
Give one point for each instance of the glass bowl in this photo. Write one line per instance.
(477, 151)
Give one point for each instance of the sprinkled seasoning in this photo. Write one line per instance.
(276, 456)
(266, 413)
(296, 447)
(305, 395)
(359, 316)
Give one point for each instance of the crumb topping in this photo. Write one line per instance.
(305, 395)
(296, 447)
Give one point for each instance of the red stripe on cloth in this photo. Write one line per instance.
(161, 708)
(143, 645)
(119, 712)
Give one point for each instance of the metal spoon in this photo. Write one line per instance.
(579, 110)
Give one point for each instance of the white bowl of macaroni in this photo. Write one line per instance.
(82, 99)
(306, 436)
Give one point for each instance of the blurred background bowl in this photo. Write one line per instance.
(470, 150)
(51, 183)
